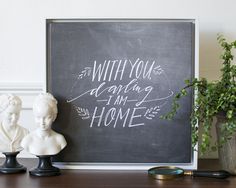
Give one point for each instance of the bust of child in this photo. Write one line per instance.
(44, 140)
(11, 134)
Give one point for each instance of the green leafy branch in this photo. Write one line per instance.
(211, 99)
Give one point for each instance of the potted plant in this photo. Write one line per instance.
(214, 99)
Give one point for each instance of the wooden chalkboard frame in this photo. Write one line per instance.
(125, 166)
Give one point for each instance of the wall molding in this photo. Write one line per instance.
(21, 87)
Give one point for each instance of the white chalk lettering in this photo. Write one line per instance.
(111, 71)
(132, 67)
(125, 89)
(114, 69)
(139, 69)
(120, 99)
(98, 71)
(114, 89)
(120, 116)
(147, 73)
(105, 74)
(135, 116)
(111, 113)
(112, 116)
(97, 116)
(109, 100)
(121, 71)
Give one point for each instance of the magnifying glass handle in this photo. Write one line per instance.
(221, 174)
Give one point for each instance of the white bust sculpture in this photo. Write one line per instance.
(11, 133)
(44, 141)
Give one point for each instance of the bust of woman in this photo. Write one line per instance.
(44, 141)
(11, 133)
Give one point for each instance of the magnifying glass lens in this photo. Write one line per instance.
(170, 171)
(166, 172)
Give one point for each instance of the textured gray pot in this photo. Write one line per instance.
(227, 153)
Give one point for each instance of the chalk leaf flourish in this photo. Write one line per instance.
(83, 112)
(151, 112)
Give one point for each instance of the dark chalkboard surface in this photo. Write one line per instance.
(113, 79)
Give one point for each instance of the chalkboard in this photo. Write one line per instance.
(113, 79)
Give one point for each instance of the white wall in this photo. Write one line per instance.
(23, 44)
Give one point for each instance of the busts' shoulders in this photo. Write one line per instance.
(60, 139)
(56, 135)
(30, 137)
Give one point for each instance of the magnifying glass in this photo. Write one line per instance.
(171, 172)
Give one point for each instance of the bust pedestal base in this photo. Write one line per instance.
(45, 167)
(11, 166)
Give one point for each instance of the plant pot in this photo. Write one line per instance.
(227, 153)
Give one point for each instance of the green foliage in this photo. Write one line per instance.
(212, 98)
